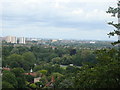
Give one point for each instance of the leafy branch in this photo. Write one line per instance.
(114, 11)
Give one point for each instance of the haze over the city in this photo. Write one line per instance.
(64, 19)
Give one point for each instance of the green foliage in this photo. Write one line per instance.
(33, 86)
(15, 60)
(57, 75)
(19, 50)
(72, 69)
(29, 78)
(49, 67)
(66, 83)
(39, 84)
(29, 58)
(106, 73)
(6, 85)
(56, 60)
(6, 50)
(9, 77)
(18, 72)
(114, 11)
(44, 80)
(21, 82)
(15, 51)
(44, 72)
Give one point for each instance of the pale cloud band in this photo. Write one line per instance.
(56, 16)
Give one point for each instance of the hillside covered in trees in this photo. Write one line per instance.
(60, 67)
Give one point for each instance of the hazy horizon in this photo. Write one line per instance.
(61, 38)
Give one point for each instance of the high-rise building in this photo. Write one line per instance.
(21, 40)
(11, 39)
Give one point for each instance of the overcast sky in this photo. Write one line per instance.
(60, 19)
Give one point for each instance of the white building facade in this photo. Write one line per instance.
(21, 40)
(11, 39)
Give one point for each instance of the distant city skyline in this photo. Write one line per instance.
(14, 39)
(37, 38)
(57, 19)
